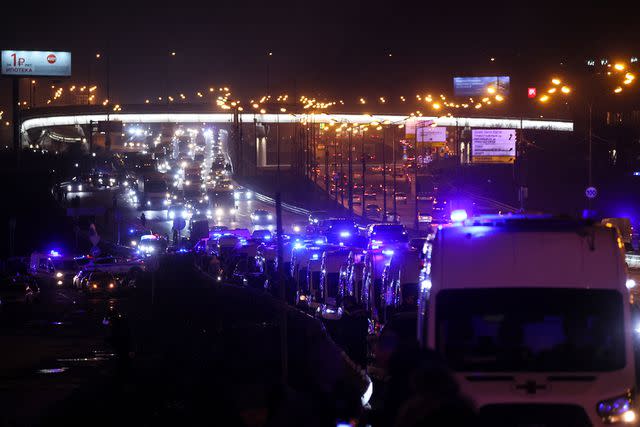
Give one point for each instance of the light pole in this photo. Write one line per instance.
(341, 173)
(384, 174)
(172, 54)
(269, 55)
(350, 171)
(364, 172)
(393, 147)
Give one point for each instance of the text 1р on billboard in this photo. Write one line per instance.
(36, 63)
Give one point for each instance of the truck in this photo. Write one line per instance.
(153, 191)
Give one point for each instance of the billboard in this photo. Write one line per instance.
(434, 135)
(30, 63)
(477, 86)
(493, 146)
(411, 124)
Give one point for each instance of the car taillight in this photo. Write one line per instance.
(111, 285)
(95, 286)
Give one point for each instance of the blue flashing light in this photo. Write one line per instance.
(375, 246)
(131, 230)
(183, 250)
(345, 234)
(267, 237)
(636, 173)
(315, 257)
(388, 252)
(425, 285)
(298, 245)
(319, 242)
(459, 215)
(54, 253)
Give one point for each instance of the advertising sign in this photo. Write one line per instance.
(434, 135)
(411, 124)
(493, 145)
(477, 86)
(36, 63)
(532, 92)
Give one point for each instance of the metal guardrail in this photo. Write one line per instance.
(285, 206)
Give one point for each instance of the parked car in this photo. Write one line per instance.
(19, 289)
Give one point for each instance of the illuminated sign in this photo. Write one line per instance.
(493, 145)
(532, 92)
(36, 63)
(434, 135)
(480, 86)
(411, 125)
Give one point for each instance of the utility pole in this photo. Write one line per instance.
(284, 353)
(590, 141)
(415, 182)
(326, 170)
(16, 118)
(393, 147)
(350, 171)
(384, 174)
(278, 147)
(341, 173)
(364, 170)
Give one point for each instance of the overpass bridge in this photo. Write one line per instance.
(201, 113)
(257, 141)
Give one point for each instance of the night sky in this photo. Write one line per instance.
(330, 47)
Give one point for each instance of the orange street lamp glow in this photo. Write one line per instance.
(491, 90)
(499, 98)
(556, 81)
(544, 98)
(565, 89)
(552, 90)
(619, 67)
(617, 90)
(262, 111)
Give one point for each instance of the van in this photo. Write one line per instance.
(532, 314)
(400, 282)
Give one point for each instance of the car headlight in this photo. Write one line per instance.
(219, 212)
(172, 215)
(60, 283)
(134, 243)
(184, 214)
(59, 274)
(236, 196)
(80, 187)
(166, 202)
(296, 229)
(148, 202)
(269, 217)
(617, 409)
(345, 234)
(249, 194)
(232, 211)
